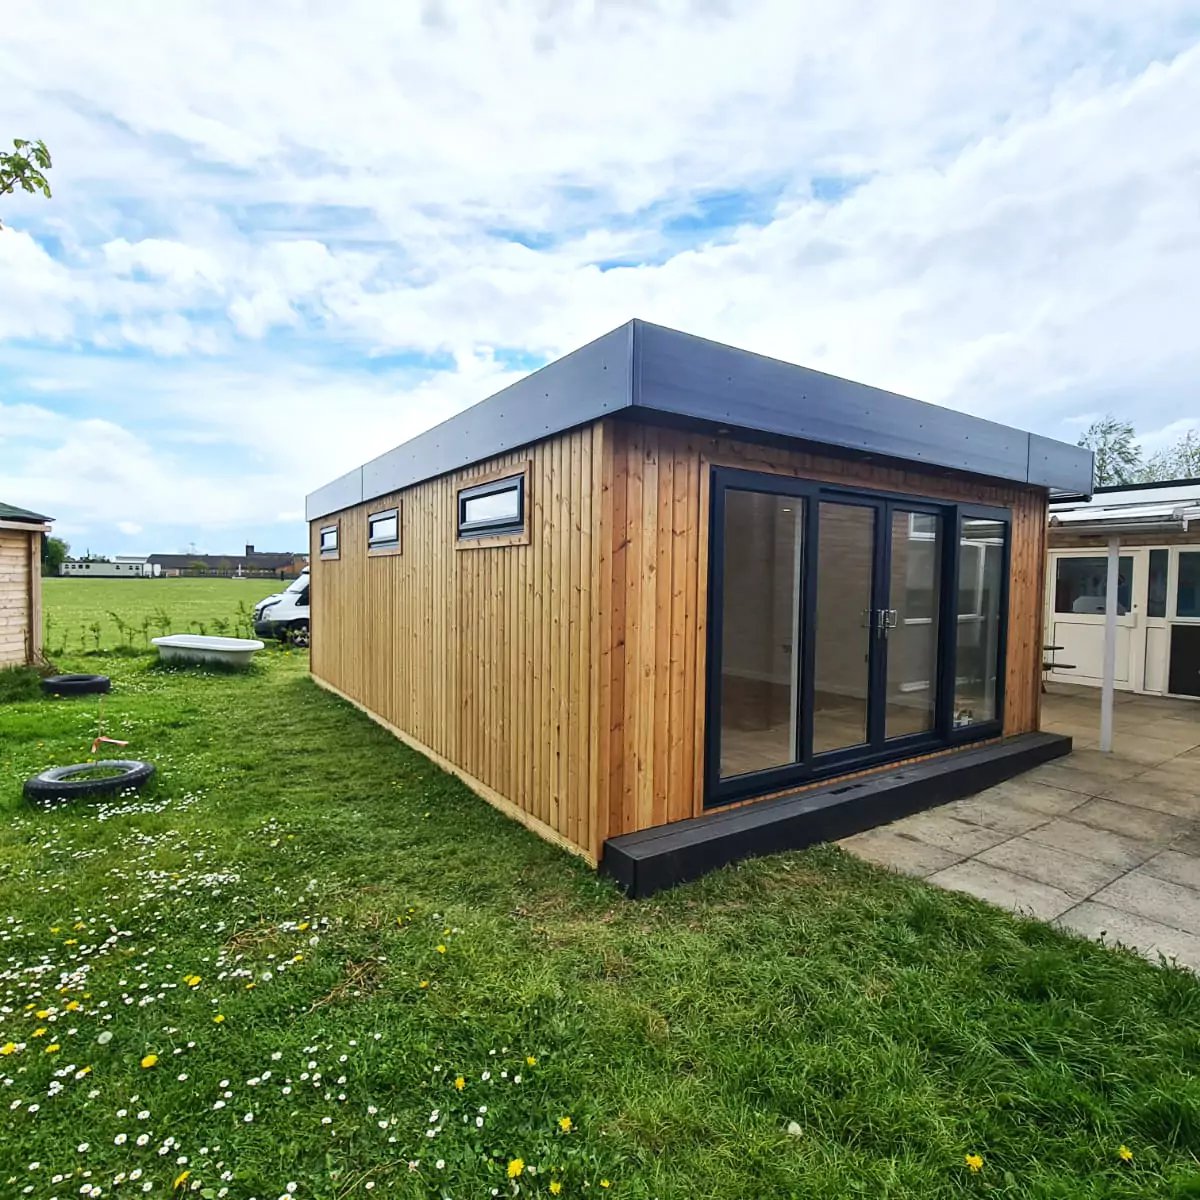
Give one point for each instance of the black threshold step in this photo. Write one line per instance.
(647, 862)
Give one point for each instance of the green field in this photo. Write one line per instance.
(73, 606)
(307, 962)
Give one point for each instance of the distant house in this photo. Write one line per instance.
(21, 533)
(252, 563)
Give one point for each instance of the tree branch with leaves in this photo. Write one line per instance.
(25, 167)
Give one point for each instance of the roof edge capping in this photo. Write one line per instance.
(652, 368)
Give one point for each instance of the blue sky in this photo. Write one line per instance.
(278, 247)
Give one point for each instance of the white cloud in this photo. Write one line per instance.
(995, 209)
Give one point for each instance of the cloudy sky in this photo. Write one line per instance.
(286, 236)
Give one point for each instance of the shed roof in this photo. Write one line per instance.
(10, 512)
(649, 370)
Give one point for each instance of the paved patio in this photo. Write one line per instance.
(1105, 844)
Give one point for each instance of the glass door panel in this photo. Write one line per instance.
(845, 626)
(911, 623)
(980, 591)
(760, 631)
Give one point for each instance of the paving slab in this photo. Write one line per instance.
(994, 813)
(1063, 869)
(1176, 730)
(950, 833)
(1130, 820)
(1148, 937)
(1004, 888)
(1083, 783)
(1105, 766)
(1139, 748)
(1037, 797)
(1175, 866)
(1159, 791)
(1147, 895)
(887, 848)
(1090, 842)
(1188, 844)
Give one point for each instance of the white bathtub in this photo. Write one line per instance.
(190, 647)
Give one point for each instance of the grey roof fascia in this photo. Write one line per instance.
(692, 377)
(651, 369)
(588, 383)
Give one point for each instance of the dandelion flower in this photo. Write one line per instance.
(40, 1032)
(192, 980)
(181, 1179)
(149, 1060)
(460, 1083)
(604, 1183)
(565, 1124)
(1124, 1153)
(515, 1167)
(530, 1061)
(441, 949)
(218, 1019)
(8, 1048)
(53, 1048)
(555, 1187)
(975, 1162)
(423, 984)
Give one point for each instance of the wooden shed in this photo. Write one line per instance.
(21, 535)
(661, 578)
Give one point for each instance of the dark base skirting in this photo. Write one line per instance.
(647, 862)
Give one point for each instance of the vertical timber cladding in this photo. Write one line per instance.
(480, 655)
(652, 690)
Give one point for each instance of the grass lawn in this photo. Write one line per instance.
(310, 958)
(75, 607)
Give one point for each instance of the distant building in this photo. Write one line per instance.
(253, 563)
(120, 566)
(1157, 529)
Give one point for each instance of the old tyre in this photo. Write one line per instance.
(108, 777)
(75, 685)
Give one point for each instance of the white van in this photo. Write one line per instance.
(285, 614)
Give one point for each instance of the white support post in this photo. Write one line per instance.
(1110, 644)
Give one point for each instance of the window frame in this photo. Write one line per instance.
(812, 767)
(379, 547)
(322, 530)
(496, 532)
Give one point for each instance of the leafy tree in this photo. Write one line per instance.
(54, 552)
(1180, 461)
(25, 167)
(1118, 456)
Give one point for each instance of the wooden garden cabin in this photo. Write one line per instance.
(661, 578)
(21, 533)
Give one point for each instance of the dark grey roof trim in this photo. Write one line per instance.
(10, 512)
(658, 370)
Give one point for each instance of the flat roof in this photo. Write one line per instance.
(1173, 492)
(649, 370)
